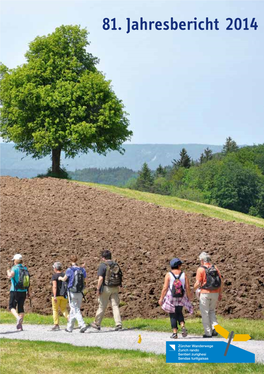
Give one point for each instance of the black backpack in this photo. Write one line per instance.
(213, 280)
(177, 287)
(113, 275)
(78, 281)
(63, 289)
(23, 279)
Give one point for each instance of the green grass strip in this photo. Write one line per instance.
(181, 204)
(26, 357)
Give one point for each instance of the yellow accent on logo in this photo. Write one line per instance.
(237, 338)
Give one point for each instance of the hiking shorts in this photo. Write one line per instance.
(17, 299)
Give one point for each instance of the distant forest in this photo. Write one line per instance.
(112, 176)
(232, 179)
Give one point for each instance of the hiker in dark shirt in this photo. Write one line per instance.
(109, 280)
(59, 298)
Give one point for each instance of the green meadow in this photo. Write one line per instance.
(181, 204)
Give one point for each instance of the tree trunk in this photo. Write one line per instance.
(56, 153)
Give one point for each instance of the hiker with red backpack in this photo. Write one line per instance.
(20, 282)
(175, 295)
(209, 285)
(109, 280)
(75, 276)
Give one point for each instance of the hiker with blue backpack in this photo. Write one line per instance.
(20, 282)
(75, 276)
(175, 295)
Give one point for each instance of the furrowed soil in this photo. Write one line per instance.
(47, 220)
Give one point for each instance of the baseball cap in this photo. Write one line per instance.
(17, 257)
(175, 261)
(57, 265)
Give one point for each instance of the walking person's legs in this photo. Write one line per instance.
(103, 301)
(212, 307)
(180, 319)
(204, 308)
(72, 304)
(63, 306)
(16, 301)
(114, 298)
(78, 314)
(174, 325)
(55, 310)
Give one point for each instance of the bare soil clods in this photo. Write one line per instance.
(46, 220)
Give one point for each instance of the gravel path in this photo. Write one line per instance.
(154, 342)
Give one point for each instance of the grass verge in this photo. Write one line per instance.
(25, 357)
(240, 326)
(181, 204)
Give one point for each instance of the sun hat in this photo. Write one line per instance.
(17, 257)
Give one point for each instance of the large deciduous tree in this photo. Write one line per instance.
(58, 101)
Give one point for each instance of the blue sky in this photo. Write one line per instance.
(178, 86)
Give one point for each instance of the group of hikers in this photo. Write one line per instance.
(68, 287)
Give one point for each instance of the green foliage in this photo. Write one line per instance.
(58, 100)
(184, 161)
(162, 186)
(234, 180)
(189, 194)
(207, 155)
(160, 171)
(145, 179)
(64, 174)
(230, 146)
(112, 176)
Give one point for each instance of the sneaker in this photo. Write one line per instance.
(20, 329)
(207, 336)
(68, 330)
(84, 328)
(174, 336)
(118, 328)
(214, 333)
(19, 323)
(95, 326)
(184, 332)
(55, 328)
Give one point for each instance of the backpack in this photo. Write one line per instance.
(64, 289)
(23, 279)
(213, 280)
(78, 281)
(113, 275)
(177, 287)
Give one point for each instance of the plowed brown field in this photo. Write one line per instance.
(46, 220)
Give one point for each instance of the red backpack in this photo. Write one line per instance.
(177, 287)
